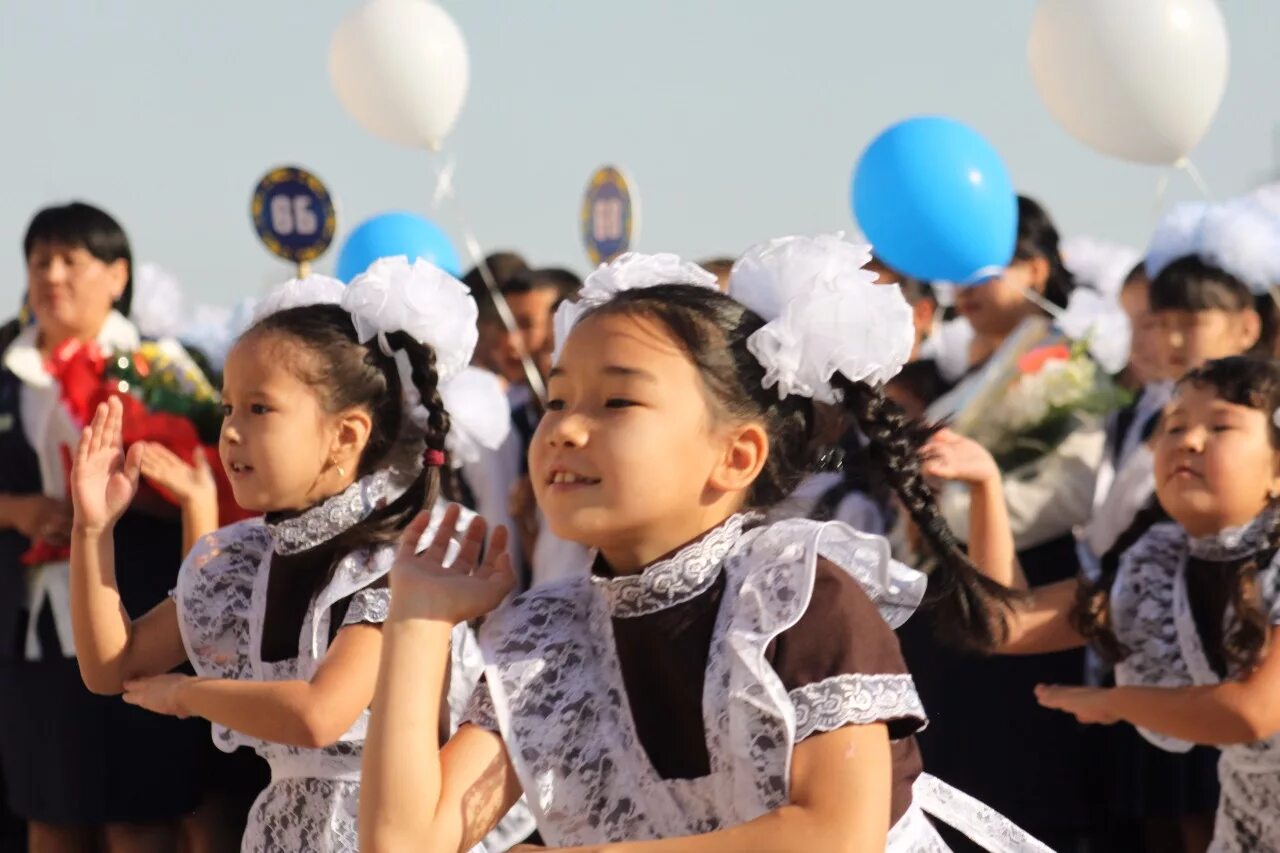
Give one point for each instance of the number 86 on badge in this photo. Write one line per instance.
(293, 215)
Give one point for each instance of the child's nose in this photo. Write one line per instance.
(568, 431)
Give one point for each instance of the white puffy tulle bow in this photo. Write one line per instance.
(630, 271)
(825, 315)
(433, 308)
(1240, 236)
(420, 299)
(478, 413)
(297, 293)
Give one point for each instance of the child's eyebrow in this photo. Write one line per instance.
(619, 370)
(612, 370)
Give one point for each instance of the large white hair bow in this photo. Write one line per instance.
(630, 271)
(433, 308)
(1240, 236)
(825, 315)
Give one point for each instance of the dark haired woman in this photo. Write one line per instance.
(83, 770)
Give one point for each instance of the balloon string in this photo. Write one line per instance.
(1193, 173)
(444, 178)
(1036, 299)
(1162, 188)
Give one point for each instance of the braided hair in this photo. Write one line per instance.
(347, 374)
(713, 330)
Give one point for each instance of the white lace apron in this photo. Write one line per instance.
(312, 801)
(555, 691)
(1152, 618)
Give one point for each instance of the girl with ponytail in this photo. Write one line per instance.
(335, 427)
(712, 681)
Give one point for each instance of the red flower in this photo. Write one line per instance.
(81, 372)
(1033, 362)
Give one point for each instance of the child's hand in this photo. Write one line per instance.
(190, 484)
(158, 694)
(103, 480)
(423, 587)
(1086, 704)
(951, 456)
(41, 518)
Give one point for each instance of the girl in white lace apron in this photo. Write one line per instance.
(336, 429)
(710, 682)
(1189, 612)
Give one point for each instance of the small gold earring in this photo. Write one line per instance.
(342, 472)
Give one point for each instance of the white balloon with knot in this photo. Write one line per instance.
(400, 68)
(1136, 79)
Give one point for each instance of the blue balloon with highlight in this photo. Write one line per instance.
(399, 233)
(936, 202)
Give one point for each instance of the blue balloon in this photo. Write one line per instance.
(936, 202)
(389, 234)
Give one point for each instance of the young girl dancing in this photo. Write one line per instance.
(335, 428)
(713, 682)
(1189, 611)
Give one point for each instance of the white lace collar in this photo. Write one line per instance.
(673, 580)
(1236, 543)
(23, 358)
(335, 515)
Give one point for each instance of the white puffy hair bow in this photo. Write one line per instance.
(433, 308)
(630, 271)
(824, 313)
(1240, 236)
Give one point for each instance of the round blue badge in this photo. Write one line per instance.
(609, 215)
(293, 214)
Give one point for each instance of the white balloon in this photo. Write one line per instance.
(400, 68)
(1136, 79)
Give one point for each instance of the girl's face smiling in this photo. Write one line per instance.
(1215, 466)
(630, 457)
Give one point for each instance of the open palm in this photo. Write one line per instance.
(428, 585)
(103, 479)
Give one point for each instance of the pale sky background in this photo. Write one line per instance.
(737, 119)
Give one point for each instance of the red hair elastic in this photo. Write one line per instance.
(433, 458)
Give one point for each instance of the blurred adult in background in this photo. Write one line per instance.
(86, 772)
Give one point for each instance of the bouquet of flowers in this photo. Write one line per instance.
(166, 400)
(1032, 394)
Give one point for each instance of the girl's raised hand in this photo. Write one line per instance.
(951, 456)
(103, 480)
(426, 585)
(189, 483)
(1086, 704)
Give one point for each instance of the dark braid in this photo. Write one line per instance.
(969, 603)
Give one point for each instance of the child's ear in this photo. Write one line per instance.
(745, 451)
(1038, 269)
(1273, 491)
(1250, 329)
(351, 436)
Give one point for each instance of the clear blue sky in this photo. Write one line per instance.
(738, 119)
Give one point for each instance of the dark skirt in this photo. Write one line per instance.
(70, 757)
(989, 737)
(1145, 782)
